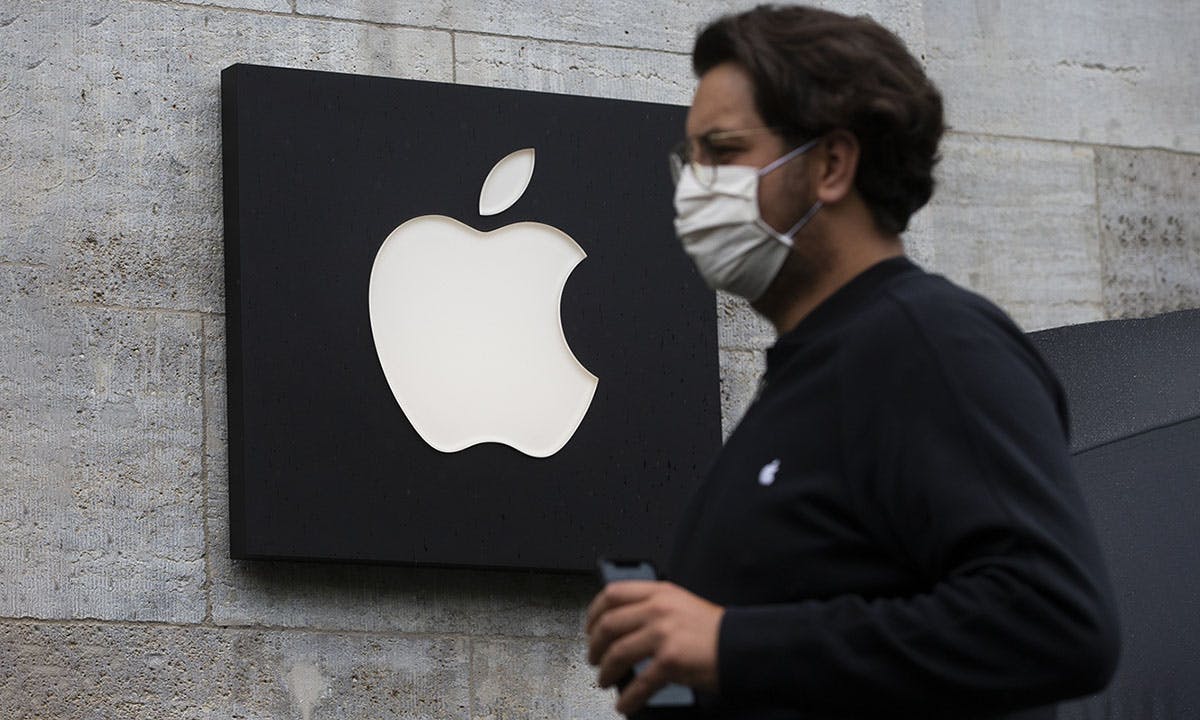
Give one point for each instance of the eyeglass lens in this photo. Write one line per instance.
(681, 159)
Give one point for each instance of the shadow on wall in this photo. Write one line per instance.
(401, 599)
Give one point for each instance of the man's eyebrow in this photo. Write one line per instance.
(707, 134)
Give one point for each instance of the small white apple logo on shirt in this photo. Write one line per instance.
(766, 476)
(468, 329)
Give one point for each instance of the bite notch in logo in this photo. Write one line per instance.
(468, 328)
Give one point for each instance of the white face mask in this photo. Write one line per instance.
(722, 229)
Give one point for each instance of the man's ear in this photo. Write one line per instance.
(838, 154)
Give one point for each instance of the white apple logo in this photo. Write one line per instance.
(468, 329)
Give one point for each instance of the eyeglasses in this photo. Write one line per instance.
(705, 167)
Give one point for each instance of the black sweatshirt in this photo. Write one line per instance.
(894, 527)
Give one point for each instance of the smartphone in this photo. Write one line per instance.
(670, 696)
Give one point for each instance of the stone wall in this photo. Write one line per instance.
(1069, 193)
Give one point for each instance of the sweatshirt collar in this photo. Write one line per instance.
(836, 308)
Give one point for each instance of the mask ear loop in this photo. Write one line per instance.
(786, 238)
(788, 156)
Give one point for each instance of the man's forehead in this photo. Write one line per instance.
(724, 100)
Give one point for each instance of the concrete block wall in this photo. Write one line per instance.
(1069, 193)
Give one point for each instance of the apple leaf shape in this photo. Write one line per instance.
(506, 183)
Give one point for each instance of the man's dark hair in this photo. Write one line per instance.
(815, 71)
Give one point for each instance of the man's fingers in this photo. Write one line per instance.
(649, 681)
(612, 625)
(616, 594)
(626, 651)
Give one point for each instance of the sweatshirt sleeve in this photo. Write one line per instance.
(960, 464)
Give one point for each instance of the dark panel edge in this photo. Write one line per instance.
(467, 86)
(233, 309)
(514, 568)
(1129, 436)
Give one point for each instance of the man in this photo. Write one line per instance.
(893, 529)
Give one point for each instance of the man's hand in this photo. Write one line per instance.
(635, 619)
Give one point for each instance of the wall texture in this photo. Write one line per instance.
(1070, 192)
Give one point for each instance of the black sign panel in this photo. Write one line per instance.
(324, 463)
